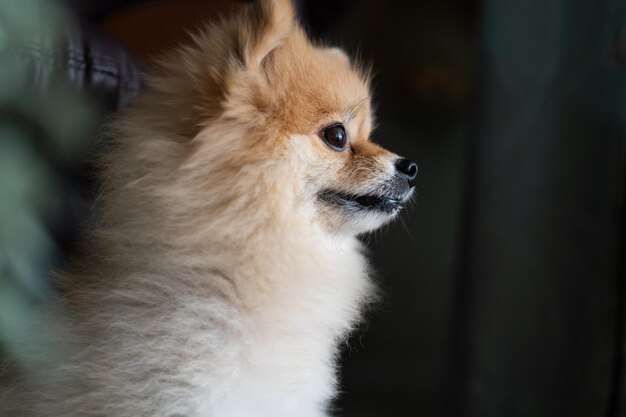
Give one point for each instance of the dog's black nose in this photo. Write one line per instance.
(408, 168)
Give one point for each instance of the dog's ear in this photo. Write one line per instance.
(266, 25)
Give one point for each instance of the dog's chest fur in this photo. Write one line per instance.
(256, 338)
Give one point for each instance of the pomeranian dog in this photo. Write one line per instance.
(224, 267)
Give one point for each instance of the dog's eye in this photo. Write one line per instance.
(335, 136)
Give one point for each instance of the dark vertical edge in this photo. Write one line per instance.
(617, 394)
(459, 339)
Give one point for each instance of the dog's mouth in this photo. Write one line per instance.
(366, 202)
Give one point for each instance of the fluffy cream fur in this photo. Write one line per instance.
(217, 282)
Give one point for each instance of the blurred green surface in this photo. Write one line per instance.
(45, 126)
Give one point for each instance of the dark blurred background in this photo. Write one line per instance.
(505, 282)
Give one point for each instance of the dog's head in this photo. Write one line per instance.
(286, 121)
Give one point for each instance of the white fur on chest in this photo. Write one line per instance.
(257, 340)
(273, 355)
